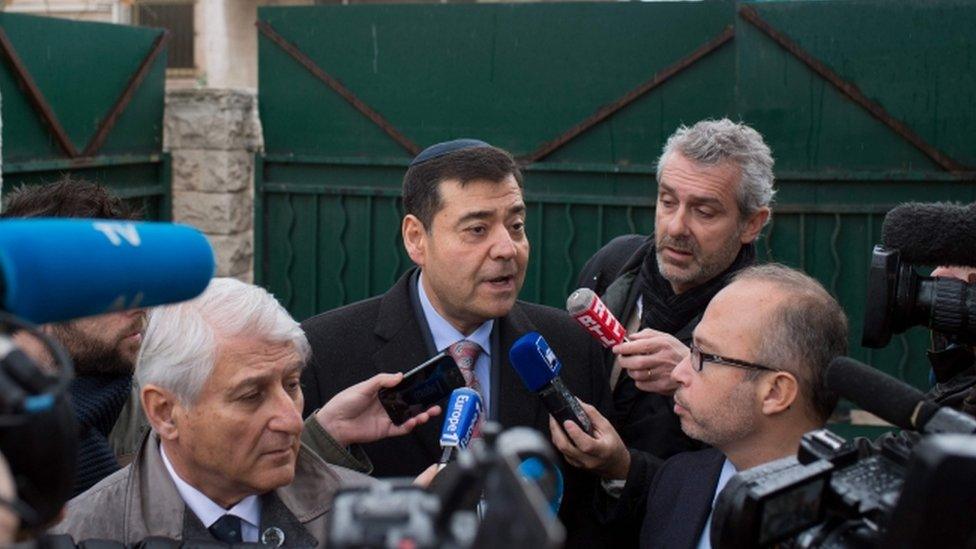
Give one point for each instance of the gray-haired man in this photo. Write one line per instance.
(219, 378)
(715, 186)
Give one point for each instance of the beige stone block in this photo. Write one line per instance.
(234, 254)
(220, 119)
(214, 213)
(212, 171)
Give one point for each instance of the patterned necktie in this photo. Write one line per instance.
(227, 529)
(465, 353)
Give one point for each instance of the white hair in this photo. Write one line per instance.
(713, 142)
(180, 345)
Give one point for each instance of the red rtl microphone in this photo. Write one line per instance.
(588, 309)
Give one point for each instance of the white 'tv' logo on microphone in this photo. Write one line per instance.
(116, 232)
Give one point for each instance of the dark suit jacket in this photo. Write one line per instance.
(384, 334)
(680, 499)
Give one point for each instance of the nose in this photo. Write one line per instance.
(287, 413)
(681, 374)
(676, 225)
(503, 246)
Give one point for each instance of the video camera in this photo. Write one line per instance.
(898, 297)
(485, 480)
(911, 490)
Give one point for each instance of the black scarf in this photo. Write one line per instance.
(97, 401)
(668, 312)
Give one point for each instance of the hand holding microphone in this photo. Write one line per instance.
(537, 365)
(604, 452)
(647, 356)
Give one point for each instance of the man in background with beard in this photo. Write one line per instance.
(715, 188)
(103, 348)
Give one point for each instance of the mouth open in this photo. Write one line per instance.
(501, 281)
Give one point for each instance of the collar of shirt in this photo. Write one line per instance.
(248, 509)
(443, 333)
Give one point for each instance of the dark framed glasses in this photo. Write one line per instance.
(698, 360)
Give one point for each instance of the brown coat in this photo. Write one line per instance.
(141, 500)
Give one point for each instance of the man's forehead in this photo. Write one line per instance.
(481, 195)
(680, 173)
(241, 357)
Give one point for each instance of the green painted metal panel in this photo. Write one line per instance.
(521, 75)
(82, 69)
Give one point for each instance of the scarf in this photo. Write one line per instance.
(668, 312)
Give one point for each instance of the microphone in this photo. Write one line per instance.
(935, 233)
(539, 368)
(460, 422)
(588, 309)
(892, 400)
(547, 477)
(58, 269)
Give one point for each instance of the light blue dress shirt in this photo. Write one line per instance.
(444, 334)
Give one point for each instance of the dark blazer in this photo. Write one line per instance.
(384, 334)
(680, 499)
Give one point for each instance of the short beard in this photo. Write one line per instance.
(90, 356)
(738, 421)
(707, 268)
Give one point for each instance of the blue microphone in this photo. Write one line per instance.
(59, 269)
(547, 477)
(460, 422)
(539, 368)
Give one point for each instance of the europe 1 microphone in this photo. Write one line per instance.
(538, 366)
(588, 309)
(59, 269)
(460, 422)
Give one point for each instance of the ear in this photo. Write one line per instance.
(162, 410)
(754, 225)
(779, 392)
(414, 239)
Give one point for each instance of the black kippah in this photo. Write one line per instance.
(447, 147)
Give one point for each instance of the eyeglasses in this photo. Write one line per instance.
(698, 360)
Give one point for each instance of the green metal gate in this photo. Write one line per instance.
(865, 105)
(86, 99)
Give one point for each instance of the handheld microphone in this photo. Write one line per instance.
(58, 269)
(539, 368)
(588, 309)
(937, 233)
(892, 400)
(460, 421)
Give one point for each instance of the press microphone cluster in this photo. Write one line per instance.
(538, 366)
(460, 422)
(588, 309)
(59, 269)
(892, 400)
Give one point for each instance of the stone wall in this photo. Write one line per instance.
(213, 135)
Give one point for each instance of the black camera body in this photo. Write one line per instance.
(901, 496)
(899, 298)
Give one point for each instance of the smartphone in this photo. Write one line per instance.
(421, 388)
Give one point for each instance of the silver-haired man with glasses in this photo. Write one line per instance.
(752, 384)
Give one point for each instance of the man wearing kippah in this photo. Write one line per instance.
(464, 229)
